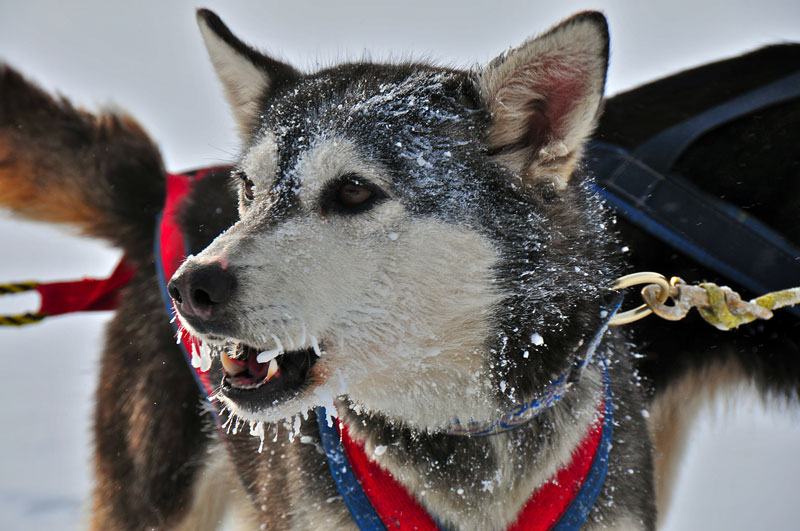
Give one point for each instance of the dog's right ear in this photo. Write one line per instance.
(544, 98)
(247, 75)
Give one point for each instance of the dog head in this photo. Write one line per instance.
(410, 237)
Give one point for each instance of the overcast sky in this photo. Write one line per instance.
(147, 57)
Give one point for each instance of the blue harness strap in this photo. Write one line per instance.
(579, 509)
(360, 507)
(663, 150)
(642, 188)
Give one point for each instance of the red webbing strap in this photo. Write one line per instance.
(398, 510)
(550, 501)
(172, 253)
(395, 507)
(171, 244)
(87, 295)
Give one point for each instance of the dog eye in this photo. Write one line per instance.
(350, 195)
(248, 186)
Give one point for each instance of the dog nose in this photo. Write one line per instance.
(199, 291)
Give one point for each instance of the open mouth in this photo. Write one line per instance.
(257, 378)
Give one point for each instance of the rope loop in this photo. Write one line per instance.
(23, 318)
(656, 280)
(720, 306)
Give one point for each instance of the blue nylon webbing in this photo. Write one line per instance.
(579, 509)
(662, 151)
(360, 507)
(724, 238)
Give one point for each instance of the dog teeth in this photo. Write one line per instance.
(315, 346)
(231, 368)
(273, 369)
(269, 355)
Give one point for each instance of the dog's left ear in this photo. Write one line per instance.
(544, 98)
(247, 75)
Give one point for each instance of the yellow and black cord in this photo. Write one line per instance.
(24, 318)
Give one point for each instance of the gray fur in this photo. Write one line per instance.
(427, 304)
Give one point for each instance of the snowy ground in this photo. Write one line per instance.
(741, 470)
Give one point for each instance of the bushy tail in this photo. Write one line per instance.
(98, 172)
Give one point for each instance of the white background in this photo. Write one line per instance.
(146, 57)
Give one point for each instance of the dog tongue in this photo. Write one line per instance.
(257, 370)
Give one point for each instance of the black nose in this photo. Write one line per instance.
(202, 290)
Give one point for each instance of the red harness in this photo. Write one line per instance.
(170, 254)
(86, 295)
(543, 511)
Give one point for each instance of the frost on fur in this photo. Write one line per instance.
(399, 298)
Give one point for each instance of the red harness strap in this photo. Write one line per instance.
(92, 294)
(170, 254)
(169, 234)
(550, 501)
(397, 509)
(87, 295)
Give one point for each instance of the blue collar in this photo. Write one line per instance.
(524, 413)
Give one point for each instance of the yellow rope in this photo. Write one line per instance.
(18, 287)
(721, 307)
(23, 318)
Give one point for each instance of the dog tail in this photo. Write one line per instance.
(100, 173)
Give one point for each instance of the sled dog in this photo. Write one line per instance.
(409, 255)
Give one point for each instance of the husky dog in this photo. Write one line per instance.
(416, 250)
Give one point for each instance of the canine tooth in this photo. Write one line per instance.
(269, 355)
(315, 346)
(273, 368)
(230, 367)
